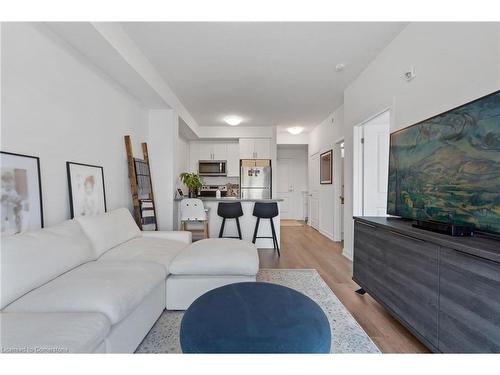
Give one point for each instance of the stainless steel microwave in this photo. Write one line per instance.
(212, 168)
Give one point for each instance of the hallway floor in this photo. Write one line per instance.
(304, 247)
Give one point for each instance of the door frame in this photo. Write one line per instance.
(357, 162)
(291, 204)
(337, 188)
(311, 166)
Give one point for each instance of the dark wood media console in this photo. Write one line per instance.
(445, 290)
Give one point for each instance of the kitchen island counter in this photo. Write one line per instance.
(231, 199)
(247, 221)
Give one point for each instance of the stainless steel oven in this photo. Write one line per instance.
(211, 190)
(212, 168)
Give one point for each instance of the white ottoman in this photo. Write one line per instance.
(209, 264)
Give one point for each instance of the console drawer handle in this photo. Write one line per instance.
(366, 224)
(406, 236)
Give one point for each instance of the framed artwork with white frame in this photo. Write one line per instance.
(325, 161)
(87, 195)
(21, 199)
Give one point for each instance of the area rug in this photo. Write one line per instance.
(347, 335)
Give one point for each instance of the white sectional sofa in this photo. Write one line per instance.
(98, 284)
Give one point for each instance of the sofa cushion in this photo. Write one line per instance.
(31, 259)
(157, 250)
(217, 256)
(52, 332)
(112, 288)
(110, 229)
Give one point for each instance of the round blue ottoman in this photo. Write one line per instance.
(254, 317)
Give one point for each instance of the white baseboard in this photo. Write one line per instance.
(347, 253)
(326, 234)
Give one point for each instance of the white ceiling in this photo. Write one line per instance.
(268, 73)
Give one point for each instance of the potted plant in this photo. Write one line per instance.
(193, 183)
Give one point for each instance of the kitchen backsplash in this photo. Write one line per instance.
(220, 180)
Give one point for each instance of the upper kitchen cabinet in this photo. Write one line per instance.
(206, 150)
(262, 149)
(211, 150)
(203, 151)
(219, 151)
(247, 148)
(233, 159)
(255, 148)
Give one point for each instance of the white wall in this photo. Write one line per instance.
(285, 138)
(321, 139)
(222, 132)
(57, 107)
(454, 62)
(162, 146)
(182, 162)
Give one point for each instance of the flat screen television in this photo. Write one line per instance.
(447, 168)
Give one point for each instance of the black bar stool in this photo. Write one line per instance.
(230, 210)
(266, 211)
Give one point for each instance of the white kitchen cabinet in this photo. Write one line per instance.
(211, 150)
(255, 148)
(262, 149)
(215, 151)
(247, 148)
(204, 151)
(233, 159)
(219, 151)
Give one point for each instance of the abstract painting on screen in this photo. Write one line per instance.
(447, 168)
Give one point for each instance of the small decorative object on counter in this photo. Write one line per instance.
(193, 183)
(217, 194)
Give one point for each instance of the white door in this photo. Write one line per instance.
(338, 188)
(342, 194)
(285, 188)
(375, 165)
(246, 148)
(262, 148)
(314, 191)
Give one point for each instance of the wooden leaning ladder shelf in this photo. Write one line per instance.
(141, 187)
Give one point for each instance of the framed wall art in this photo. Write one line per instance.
(87, 195)
(21, 198)
(326, 167)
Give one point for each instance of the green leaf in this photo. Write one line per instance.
(191, 180)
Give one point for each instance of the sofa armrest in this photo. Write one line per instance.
(181, 236)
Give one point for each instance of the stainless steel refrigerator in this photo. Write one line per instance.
(255, 179)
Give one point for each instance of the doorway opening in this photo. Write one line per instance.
(371, 165)
(338, 190)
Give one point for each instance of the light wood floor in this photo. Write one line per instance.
(304, 247)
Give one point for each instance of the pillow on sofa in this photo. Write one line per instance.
(110, 229)
(32, 259)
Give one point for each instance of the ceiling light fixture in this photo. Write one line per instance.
(295, 130)
(340, 67)
(233, 120)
